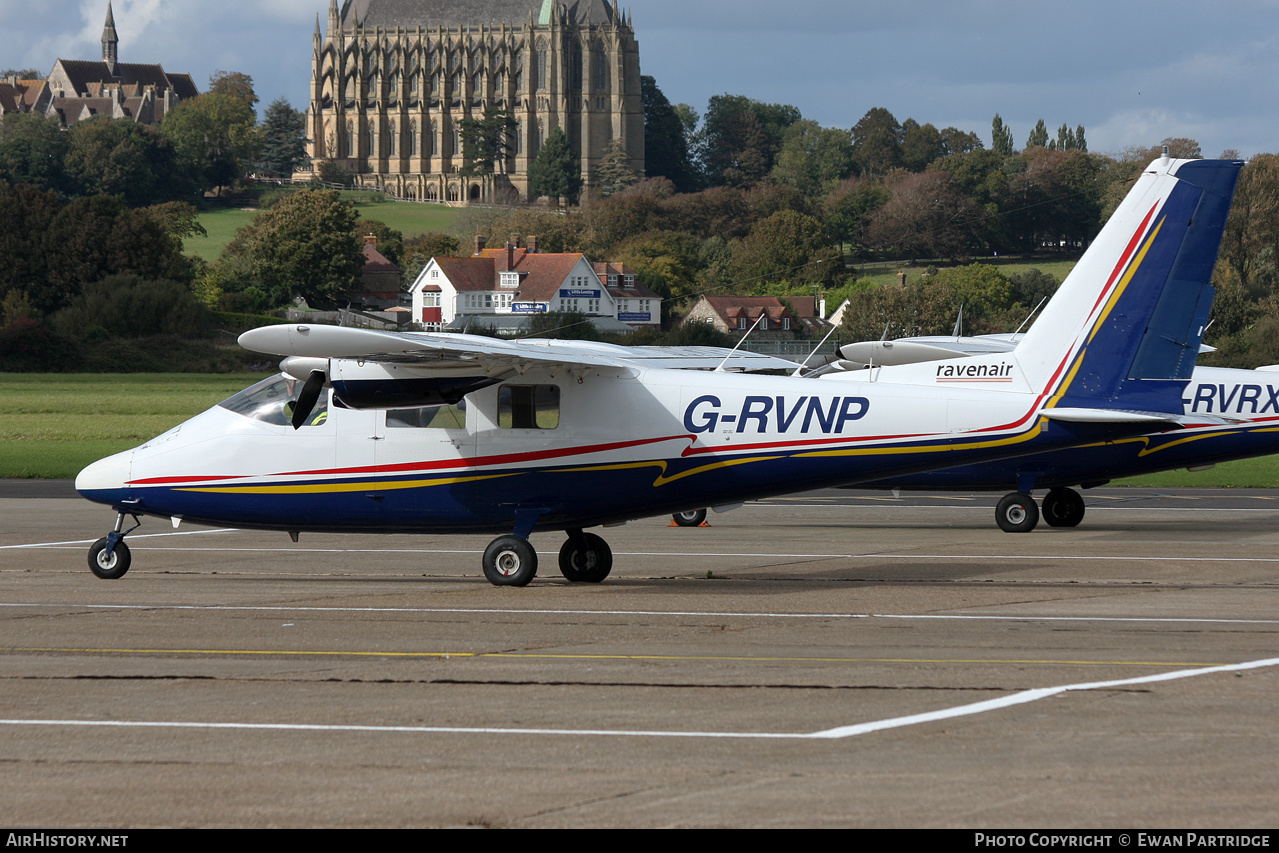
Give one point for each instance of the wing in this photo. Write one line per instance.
(925, 348)
(453, 352)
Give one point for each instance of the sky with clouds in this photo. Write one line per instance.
(1132, 73)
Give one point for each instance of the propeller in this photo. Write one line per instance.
(308, 398)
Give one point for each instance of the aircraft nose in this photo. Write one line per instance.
(107, 475)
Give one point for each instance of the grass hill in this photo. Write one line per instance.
(406, 217)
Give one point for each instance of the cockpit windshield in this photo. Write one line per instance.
(271, 401)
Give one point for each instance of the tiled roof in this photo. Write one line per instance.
(375, 261)
(451, 14)
(620, 290)
(732, 307)
(545, 274)
(84, 73)
(183, 86)
(468, 273)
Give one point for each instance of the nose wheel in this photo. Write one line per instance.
(109, 557)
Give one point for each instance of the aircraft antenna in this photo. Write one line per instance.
(720, 369)
(959, 322)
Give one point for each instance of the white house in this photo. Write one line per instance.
(501, 287)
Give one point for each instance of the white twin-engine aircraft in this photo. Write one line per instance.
(417, 433)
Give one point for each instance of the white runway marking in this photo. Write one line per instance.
(132, 537)
(717, 614)
(1020, 698)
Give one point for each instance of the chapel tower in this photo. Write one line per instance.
(393, 80)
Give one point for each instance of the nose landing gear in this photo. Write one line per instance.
(109, 557)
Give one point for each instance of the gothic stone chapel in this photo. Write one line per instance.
(393, 80)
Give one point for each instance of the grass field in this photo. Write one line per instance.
(52, 425)
(882, 274)
(405, 217)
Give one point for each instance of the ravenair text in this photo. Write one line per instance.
(964, 372)
(760, 414)
(1233, 399)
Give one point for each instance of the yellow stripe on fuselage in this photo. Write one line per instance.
(336, 488)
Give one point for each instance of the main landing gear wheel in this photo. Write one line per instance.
(585, 558)
(1063, 508)
(690, 517)
(109, 566)
(510, 561)
(1017, 513)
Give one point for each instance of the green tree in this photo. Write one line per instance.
(847, 211)
(556, 172)
(304, 246)
(981, 288)
(281, 139)
(877, 142)
(128, 306)
(120, 157)
(1056, 200)
(26, 213)
(215, 136)
(179, 219)
(918, 308)
(95, 237)
(420, 248)
(921, 145)
(615, 173)
(1032, 286)
(486, 142)
(740, 138)
(1250, 246)
(1001, 137)
(235, 84)
(957, 141)
(666, 143)
(668, 261)
(1039, 136)
(390, 242)
(32, 150)
(786, 247)
(813, 159)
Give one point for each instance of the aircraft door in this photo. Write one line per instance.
(421, 456)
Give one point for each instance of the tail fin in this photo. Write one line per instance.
(1124, 328)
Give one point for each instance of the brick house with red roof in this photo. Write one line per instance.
(738, 314)
(380, 279)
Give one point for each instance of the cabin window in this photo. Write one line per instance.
(528, 406)
(428, 417)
